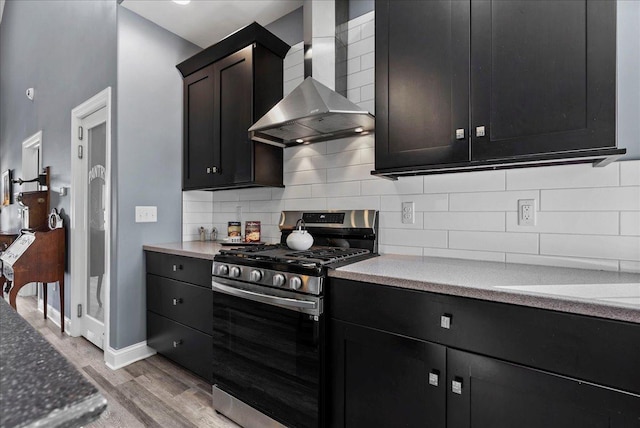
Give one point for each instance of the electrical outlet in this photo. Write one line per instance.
(408, 212)
(526, 212)
(146, 214)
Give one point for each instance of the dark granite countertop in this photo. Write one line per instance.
(196, 249)
(38, 386)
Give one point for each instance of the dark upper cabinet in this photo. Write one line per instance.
(422, 82)
(489, 83)
(227, 87)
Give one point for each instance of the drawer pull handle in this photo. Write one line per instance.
(177, 268)
(176, 343)
(445, 321)
(456, 386)
(176, 301)
(434, 377)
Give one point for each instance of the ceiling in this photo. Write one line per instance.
(205, 22)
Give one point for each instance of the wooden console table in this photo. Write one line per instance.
(42, 262)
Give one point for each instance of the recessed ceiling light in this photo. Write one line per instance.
(299, 140)
(182, 2)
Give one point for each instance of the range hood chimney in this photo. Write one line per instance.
(314, 111)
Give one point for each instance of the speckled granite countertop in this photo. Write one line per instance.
(38, 386)
(602, 294)
(198, 249)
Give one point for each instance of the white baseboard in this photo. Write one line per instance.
(53, 315)
(118, 358)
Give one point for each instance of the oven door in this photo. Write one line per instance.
(267, 351)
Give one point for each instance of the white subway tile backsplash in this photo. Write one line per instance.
(398, 249)
(368, 92)
(487, 221)
(369, 16)
(305, 163)
(292, 192)
(368, 105)
(290, 85)
(591, 246)
(350, 173)
(354, 95)
(367, 155)
(578, 222)
(629, 173)
(411, 237)
(422, 202)
(490, 201)
(197, 195)
(257, 194)
(293, 72)
(354, 203)
(629, 266)
(393, 220)
(494, 241)
(564, 176)
(197, 207)
(347, 144)
(488, 256)
(308, 150)
(596, 199)
(350, 188)
(197, 218)
(630, 223)
(569, 262)
(361, 78)
(270, 206)
(353, 34)
(305, 204)
(225, 195)
(410, 185)
(367, 61)
(368, 29)
(353, 65)
(361, 47)
(465, 182)
(305, 177)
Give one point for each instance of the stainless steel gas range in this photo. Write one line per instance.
(268, 330)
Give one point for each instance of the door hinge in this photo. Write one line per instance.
(79, 310)
(80, 133)
(80, 152)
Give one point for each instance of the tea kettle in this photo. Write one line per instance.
(299, 239)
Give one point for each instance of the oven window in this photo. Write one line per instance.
(269, 358)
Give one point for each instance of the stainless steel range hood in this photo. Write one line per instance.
(313, 111)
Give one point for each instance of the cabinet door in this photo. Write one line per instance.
(422, 82)
(233, 107)
(542, 76)
(492, 393)
(198, 146)
(379, 379)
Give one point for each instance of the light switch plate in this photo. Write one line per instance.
(146, 214)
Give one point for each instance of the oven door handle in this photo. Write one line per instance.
(295, 304)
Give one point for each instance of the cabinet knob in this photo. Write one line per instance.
(434, 377)
(480, 132)
(177, 343)
(460, 134)
(445, 321)
(456, 386)
(208, 170)
(176, 268)
(214, 169)
(177, 301)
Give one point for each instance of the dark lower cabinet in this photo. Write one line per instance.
(497, 394)
(186, 346)
(180, 310)
(381, 379)
(405, 358)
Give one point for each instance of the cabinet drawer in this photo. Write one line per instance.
(188, 269)
(186, 346)
(188, 304)
(583, 347)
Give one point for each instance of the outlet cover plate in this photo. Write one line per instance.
(408, 212)
(526, 212)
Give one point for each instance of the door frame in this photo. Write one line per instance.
(77, 237)
(29, 145)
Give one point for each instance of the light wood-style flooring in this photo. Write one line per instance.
(150, 393)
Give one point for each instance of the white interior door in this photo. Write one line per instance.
(90, 229)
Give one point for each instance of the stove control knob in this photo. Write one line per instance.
(223, 270)
(235, 271)
(255, 276)
(295, 283)
(279, 280)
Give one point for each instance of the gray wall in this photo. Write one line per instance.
(66, 50)
(289, 27)
(148, 161)
(628, 50)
